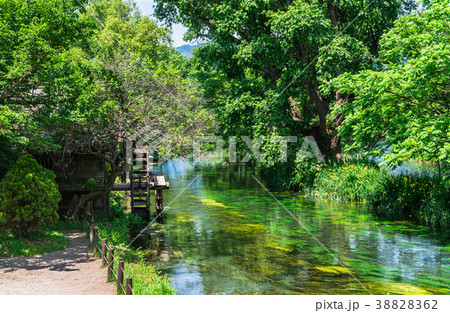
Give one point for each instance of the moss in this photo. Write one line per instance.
(210, 202)
(247, 229)
(274, 245)
(333, 270)
(183, 217)
(384, 288)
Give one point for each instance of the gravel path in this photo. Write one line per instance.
(72, 271)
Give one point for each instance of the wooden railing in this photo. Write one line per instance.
(109, 261)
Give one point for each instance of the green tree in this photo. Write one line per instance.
(123, 82)
(32, 34)
(29, 197)
(405, 102)
(104, 73)
(266, 61)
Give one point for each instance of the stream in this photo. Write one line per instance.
(223, 233)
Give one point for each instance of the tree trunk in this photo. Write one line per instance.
(112, 175)
(321, 108)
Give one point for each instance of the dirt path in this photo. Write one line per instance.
(72, 271)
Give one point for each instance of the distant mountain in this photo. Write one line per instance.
(187, 50)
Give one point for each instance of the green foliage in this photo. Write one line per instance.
(148, 281)
(435, 210)
(80, 77)
(33, 34)
(348, 181)
(40, 242)
(120, 228)
(353, 180)
(29, 197)
(305, 172)
(420, 197)
(404, 101)
(265, 62)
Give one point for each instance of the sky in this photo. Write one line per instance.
(146, 7)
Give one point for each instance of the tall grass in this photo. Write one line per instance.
(338, 180)
(420, 197)
(424, 198)
(344, 181)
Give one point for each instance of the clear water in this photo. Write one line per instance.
(225, 234)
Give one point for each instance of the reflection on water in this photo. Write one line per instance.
(225, 234)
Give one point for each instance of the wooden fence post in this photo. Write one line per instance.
(91, 229)
(104, 247)
(129, 286)
(110, 263)
(85, 216)
(95, 239)
(120, 276)
(159, 182)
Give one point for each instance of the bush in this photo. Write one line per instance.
(120, 226)
(29, 197)
(436, 209)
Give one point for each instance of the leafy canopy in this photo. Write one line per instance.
(405, 101)
(265, 61)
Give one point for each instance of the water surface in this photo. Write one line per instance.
(225, 234)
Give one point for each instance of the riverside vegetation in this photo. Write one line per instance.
(422, 197)
(120, 228)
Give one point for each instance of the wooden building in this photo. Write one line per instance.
(81, 174)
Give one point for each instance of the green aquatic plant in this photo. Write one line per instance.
(184, 217)
(385, 288)
(333, 270)
(211, 202)
(247, 229)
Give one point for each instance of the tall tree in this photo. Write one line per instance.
(123, 83)
(84, 89)
(270, 58)
(32, 34)
(405, 102)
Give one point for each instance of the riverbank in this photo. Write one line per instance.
(421, 197)
(120, 229)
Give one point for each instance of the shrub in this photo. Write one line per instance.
(29, 197)
(120, 225)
